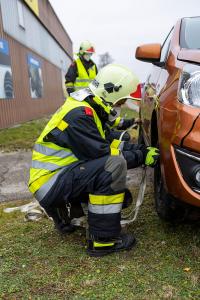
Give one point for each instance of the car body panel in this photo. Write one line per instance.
(191, 141)
(177, 124)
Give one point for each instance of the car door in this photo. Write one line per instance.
(154, 84)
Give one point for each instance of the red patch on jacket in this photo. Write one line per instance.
(88, 111)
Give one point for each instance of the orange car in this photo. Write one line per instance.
(170, 113)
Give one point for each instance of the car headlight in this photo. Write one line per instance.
(189, 86)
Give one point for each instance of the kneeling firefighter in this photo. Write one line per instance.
(73, 162)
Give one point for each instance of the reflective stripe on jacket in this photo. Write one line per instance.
(50, 160)
(84, 77)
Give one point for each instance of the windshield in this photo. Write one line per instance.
(190, 31)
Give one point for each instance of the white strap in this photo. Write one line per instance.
(23, 208)
(31, 213)
(34, 215)
(123, 133)
(131, 217)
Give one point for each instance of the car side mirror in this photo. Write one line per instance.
(149, 53)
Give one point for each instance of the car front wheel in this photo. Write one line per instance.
(166, 205)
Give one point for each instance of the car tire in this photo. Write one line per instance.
(167, 207)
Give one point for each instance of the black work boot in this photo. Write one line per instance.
(101, 247)
(61, 220)
(64, 228)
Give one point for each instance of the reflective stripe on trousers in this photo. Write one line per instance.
(105, 204)
(39, 195)
(105, 209)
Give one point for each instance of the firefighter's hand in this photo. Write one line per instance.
(151, 156)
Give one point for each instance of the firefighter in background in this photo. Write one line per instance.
(79, 75)
(72, 161)
(83, 70)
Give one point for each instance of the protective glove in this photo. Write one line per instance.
(151, 156)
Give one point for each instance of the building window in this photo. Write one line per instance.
(20, 14)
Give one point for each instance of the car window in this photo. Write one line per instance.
(165, 47)
(190, 29)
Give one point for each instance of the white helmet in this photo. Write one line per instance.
(113, 83)
(86, 47)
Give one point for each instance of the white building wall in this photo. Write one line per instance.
(33, 35)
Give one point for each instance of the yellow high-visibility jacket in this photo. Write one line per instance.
(84, 76)
(49, 159)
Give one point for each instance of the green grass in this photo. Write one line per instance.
(22, 136)
(128, 113)
(37, 263)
